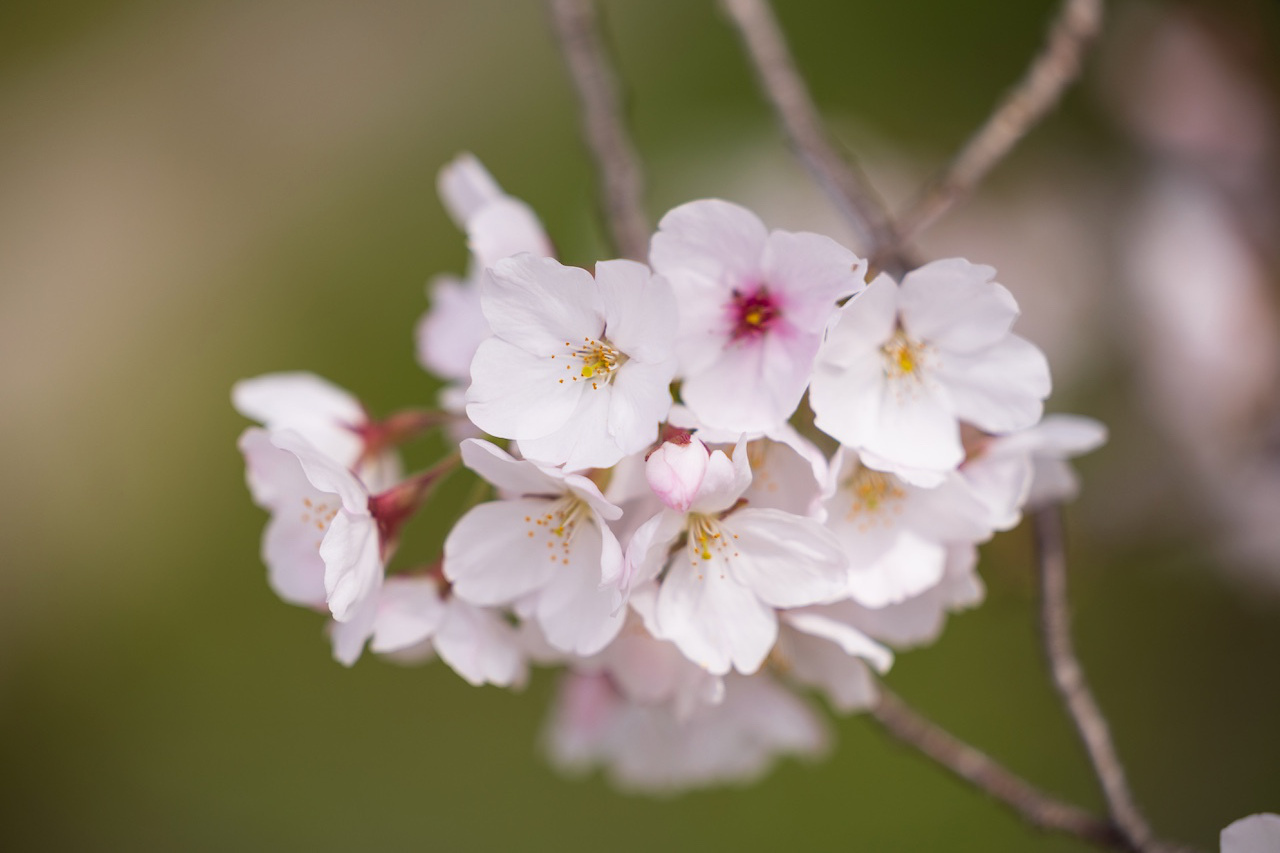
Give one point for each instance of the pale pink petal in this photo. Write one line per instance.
(490, 556)
(786, 560)
(514, 394)
(863, 325)
(675, 472)
(911, 566)
(916, 427)
(715, 621)
(725, 480)
(516, 477)
(1000, 388)
(291, 552)
(577, 615)
(955, 305)
(640, 401)
(465, 186)
(348, 638)
(323, 472)
(639, 310)
(648, 549)
(452, 329)
(352, 563)
(505, 227)
(583, 440)
(480, 646)
(541, 306)
(809, 273)
(320, 411)
(409, 611)
(710, 239)
(817, 622)
(1259, 833)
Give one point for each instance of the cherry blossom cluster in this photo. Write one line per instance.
(720, 483)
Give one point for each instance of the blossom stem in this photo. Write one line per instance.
(1050, 73)
(622, 179)
(835, 171)
(989, 776)
(402, 501)
(1068, 678)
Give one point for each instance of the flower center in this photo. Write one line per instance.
(872, 491)
(599, 358)
(903, 356)
(752, 313)
(558, 525)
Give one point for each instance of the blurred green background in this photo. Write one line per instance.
(191, 193)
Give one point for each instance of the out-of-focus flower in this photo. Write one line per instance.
(753, 307)
(649, 749)
(1259, 833)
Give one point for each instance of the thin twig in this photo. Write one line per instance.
(1030, 803)
(1068, 678)
(840, 178)
(1052, 70)
(618, 165)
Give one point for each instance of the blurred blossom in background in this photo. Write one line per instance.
(194, 193)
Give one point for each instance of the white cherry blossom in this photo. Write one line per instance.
(578, 368)
(719, 587)
(322, 544)
(902, 366)
(497, 226)
(819, 647)
(650, 749)
(753, 307)
(895, 534)
(547, 546)
(330, 418)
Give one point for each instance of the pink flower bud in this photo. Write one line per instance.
(675, 472)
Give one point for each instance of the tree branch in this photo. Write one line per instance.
(617, 164)
(835, 172)
(1068, 678)
(1052, 70)
(1028, 802)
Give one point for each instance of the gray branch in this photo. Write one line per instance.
(603, 126)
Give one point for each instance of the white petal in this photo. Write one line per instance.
(810, 273)
(998, 389)
(817, 623)
(465, 186)
(323, 472)
(291, 551)
(479, 645)
(715, 621)
(409, 611)
(583, 440)
(639, 310)
(452, 329)
(349, 637)
(490, 556)
(910, 567)
(786, 560)
(863, 324)
(1259, 833)
(640, 401)
(517, 477)
(647, 551)
(916, 427)
(575, 613)
(954, 305)
(711, 239)
(514, 394)
(540, 305)
(725, 481)
(320, 411)
(352, 563)
(505, 227)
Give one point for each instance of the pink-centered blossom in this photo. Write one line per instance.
(903, 366)
(578, 368)
(753, 307)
